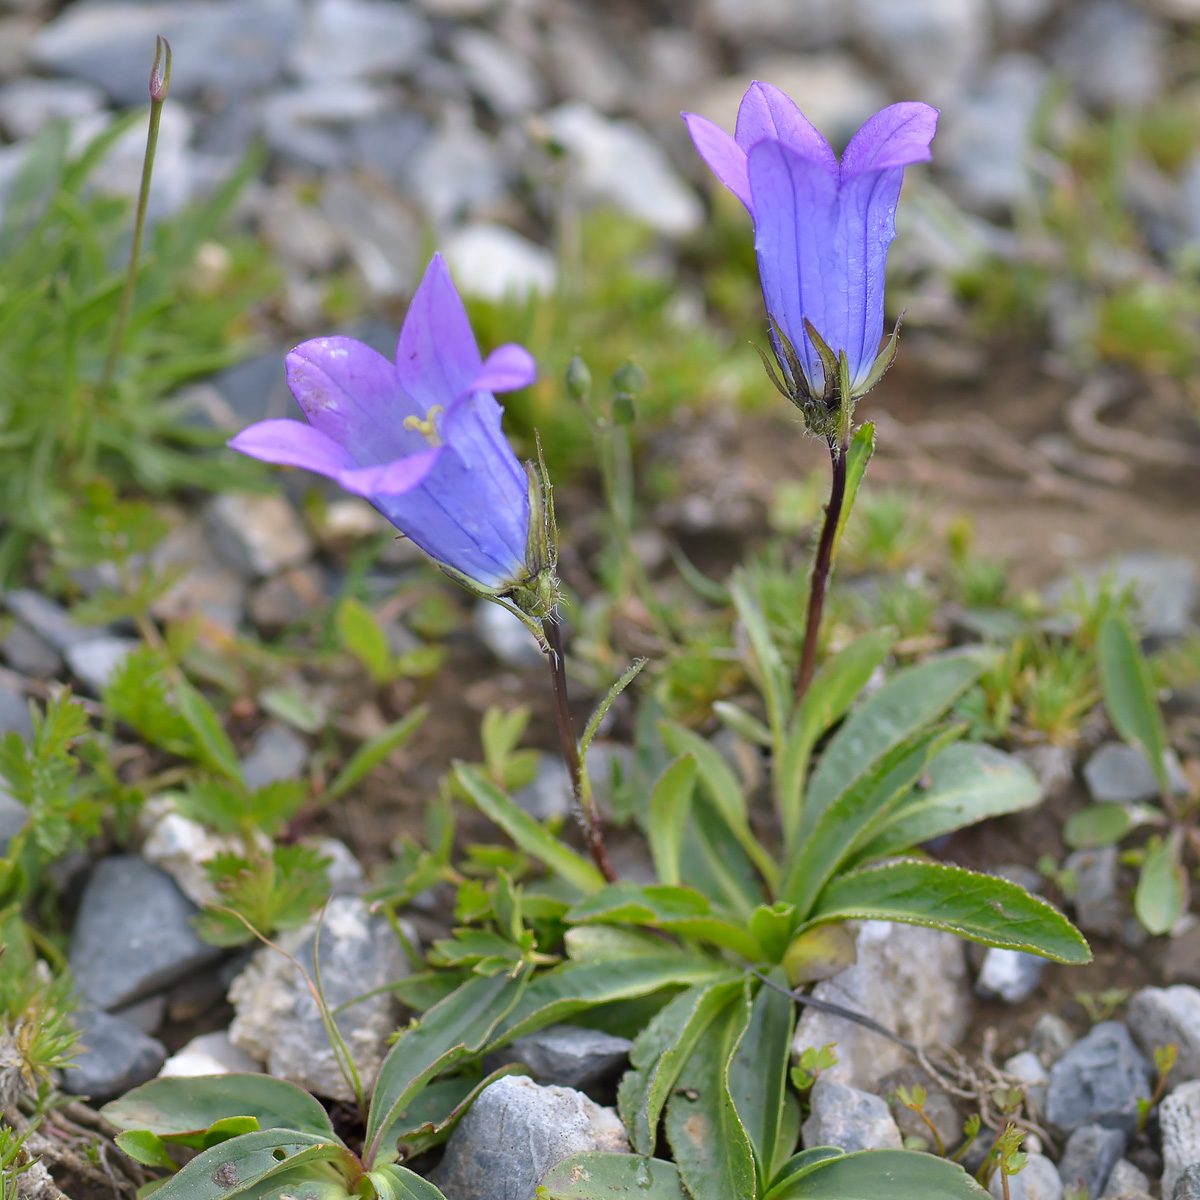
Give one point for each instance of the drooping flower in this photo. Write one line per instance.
(821, 233)
(420, 439)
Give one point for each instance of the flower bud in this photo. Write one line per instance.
(578, 379)
(160, 73)
(623, 410)
(629, 379)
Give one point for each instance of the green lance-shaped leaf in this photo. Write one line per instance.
(399, 1183)
(908, 701)
(670, 806)
(216, 749)
(174, 1106)
(1106, 824)
(773, 679)
(1162, 891)
(600, 1176)
(968, 782)
(708, 1140)
(527, 833)
(862, 449)
(983, 908)
(372, 752)
(880, 1175)
(317, 1181)
(628, 676)
(1129, 694)
(451, 1030)
(715, 864)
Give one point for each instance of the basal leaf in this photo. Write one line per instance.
(600, 1176)
(911, 699)
(773, 679)
(670, 804)
(399, 1183)
(1162, 890)
(1129, 693)
(799, 1164)
(715, 864)
(880, 1174)
(983, 908)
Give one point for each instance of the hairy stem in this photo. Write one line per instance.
(160, 81)
(589, 818)
(821, 566)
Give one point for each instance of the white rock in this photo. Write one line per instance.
(27, 106)
(456, 170)
(506, 636)
(617, 162)
(584, 68)
(96, 661)
(1009, 975)
(183, 847)
(1038, 1180)
(1027, 1068)
(1164, 1016)
(345, 872)
(913, 981)
(210, 1054)
(501, 74)
(1126, 1182)
(357, 39)
(849, 1119)
(257, 534)
(1179, 1118)
(492, 261)
(310, 123)
(383, 234)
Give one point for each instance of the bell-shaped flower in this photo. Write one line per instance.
(420, 439)
(821, 231)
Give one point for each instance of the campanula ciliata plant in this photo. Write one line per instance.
(420, 439)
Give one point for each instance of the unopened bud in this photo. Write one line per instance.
(578, 379)
(623, 410)
(630, 379)
(160, 73)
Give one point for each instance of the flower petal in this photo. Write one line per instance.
(894, 137)
(506, 369)
(390, 479)
(436, 356)
(801, 258)
(725, 157)
(767, 113)
(351, 393)
(292, 444)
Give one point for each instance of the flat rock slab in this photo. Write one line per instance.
(1099, 1081)
(133, 935)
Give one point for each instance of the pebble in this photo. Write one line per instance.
(617, 162)
(382, 233)
(1037, 1180)
(30, 654)
(48, 619)
(1030, 1071)
(1009, 975)
(224, 45)
(1158, 1017)
(507, 637)
(1098, 1081)
(1166, 585)
(210, 1054)
(849, 1119)
(549, 793)
(1091, 1153)
(277, 752)
(1179, 1120)
(1053, 765)
(583, 68)
(514, 1132)
(256, 534)
(1187, 1186)
(343, 871)
(14, 711)
(498, 72)
(287, 598)
(203, 585)
(146, 1015)
(27, 106)
(94, 663)
(493, 262)
(1121, 774)
(1126, 1182)
(1097, 903)
(913, 981)
(1113, 53)
(311, 125)
(456, 171)
(570, 1055)
(133, 935)
(358, 39)
(278, 1022)
(114, 1056)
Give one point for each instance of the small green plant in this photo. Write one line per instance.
(887, 532)
(1165, 1058)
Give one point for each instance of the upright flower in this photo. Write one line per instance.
(821, 233)
(420, 439)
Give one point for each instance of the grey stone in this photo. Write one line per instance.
(1113, 53)
(1037, 1180)
(498, 72)
(209, 1054)
(13, 818)
(14, 711)
(1179, 1120)
(791, 22)
(257, 534)
(49, 620)
(95, 662)
(146, 1015)
(506, 636)
(203, 587)
(311, 124)
(387, 143)
(343, 871)
(278, 1022)
(30, 654)
(383, 234)
(1097, 904)
(226, 45)
(1187, 1184)
(849, 1119)
(932, 47)
(456, 171)
(986, 139)
(358, 39)
(27, 106)
(1009, 975)
(548, 794)
(1090, 1155)
(1031, 1073)
(515, 1131)
(584, 68)
(912, 981)
(114, 1056)
(1126, 1182)
(277, 753)
(570, 1055)
(618, 163)
(1158, 1017)
(1099, 1081)
(493, 262)
(1053, 765)
(133, 935)
(940, 1107)
(1120, 773)
(1166, 587)
(1050, 1038)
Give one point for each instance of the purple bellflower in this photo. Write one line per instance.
(420, 439)
(821, 233)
